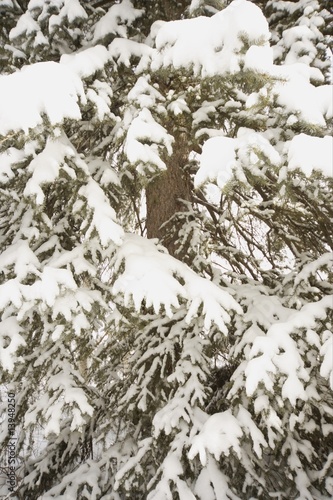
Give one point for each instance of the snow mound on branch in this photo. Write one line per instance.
(142, 129)
(45, 166)
(25, 26)
(278, 353)
(299, 40)
(116, 20)
(22, 258)
(47, 88)
(88, 472)
(294, 91)
(297, 95)
(122, 50)
(311, 153)
(258, 58)
(217, 160)
(326, 369)
(144, 94)
(7, 159)
(158, 279)
(219, 434)
(86, 62)
(222, 155)
(212, 45)
(71, 11)
(51, 283)
(212, 483)
(9, 330)
(103, 220)
(222, 433)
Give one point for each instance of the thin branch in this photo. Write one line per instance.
(137, 213)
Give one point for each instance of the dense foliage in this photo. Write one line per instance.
(166, 214)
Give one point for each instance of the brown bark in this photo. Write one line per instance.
(165, 193)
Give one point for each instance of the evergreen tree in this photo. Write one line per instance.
(166, 254)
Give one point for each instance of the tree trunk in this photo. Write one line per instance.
(165, 194)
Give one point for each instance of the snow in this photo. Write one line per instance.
(278, 353)
(145, 128)
(100, 94)
(250, 145)
(145, 266)
(312, 267)
(261, 403)
(103, 215)
(273, 367)
(211, 45)
(40, 39)
(49, 287)
(221, 156)
(88, 61)
(220, 434)
(195, 4)
(50, 284)
(43, 88)
(326, 369)
(26, 25)
(74, 484)
(132, 461)
(6, 3)
(249, 427)
(35, 4)
(115, 21)
(7, 159)
(103, 170)
(122, 50)
(297, 95)
(299, 40)
(310, 153)
(66, 305)
(22, 257)
(61, 393)
(217, 160)
(45, 166)
(10, 340)
(172, 470)
(76, 258)
(212, 484)
(170, 416)
(102, 105)
(53, 416)
(207, 109)
(178, 106)
(71, 11)
(143, 94)
(258, 58)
